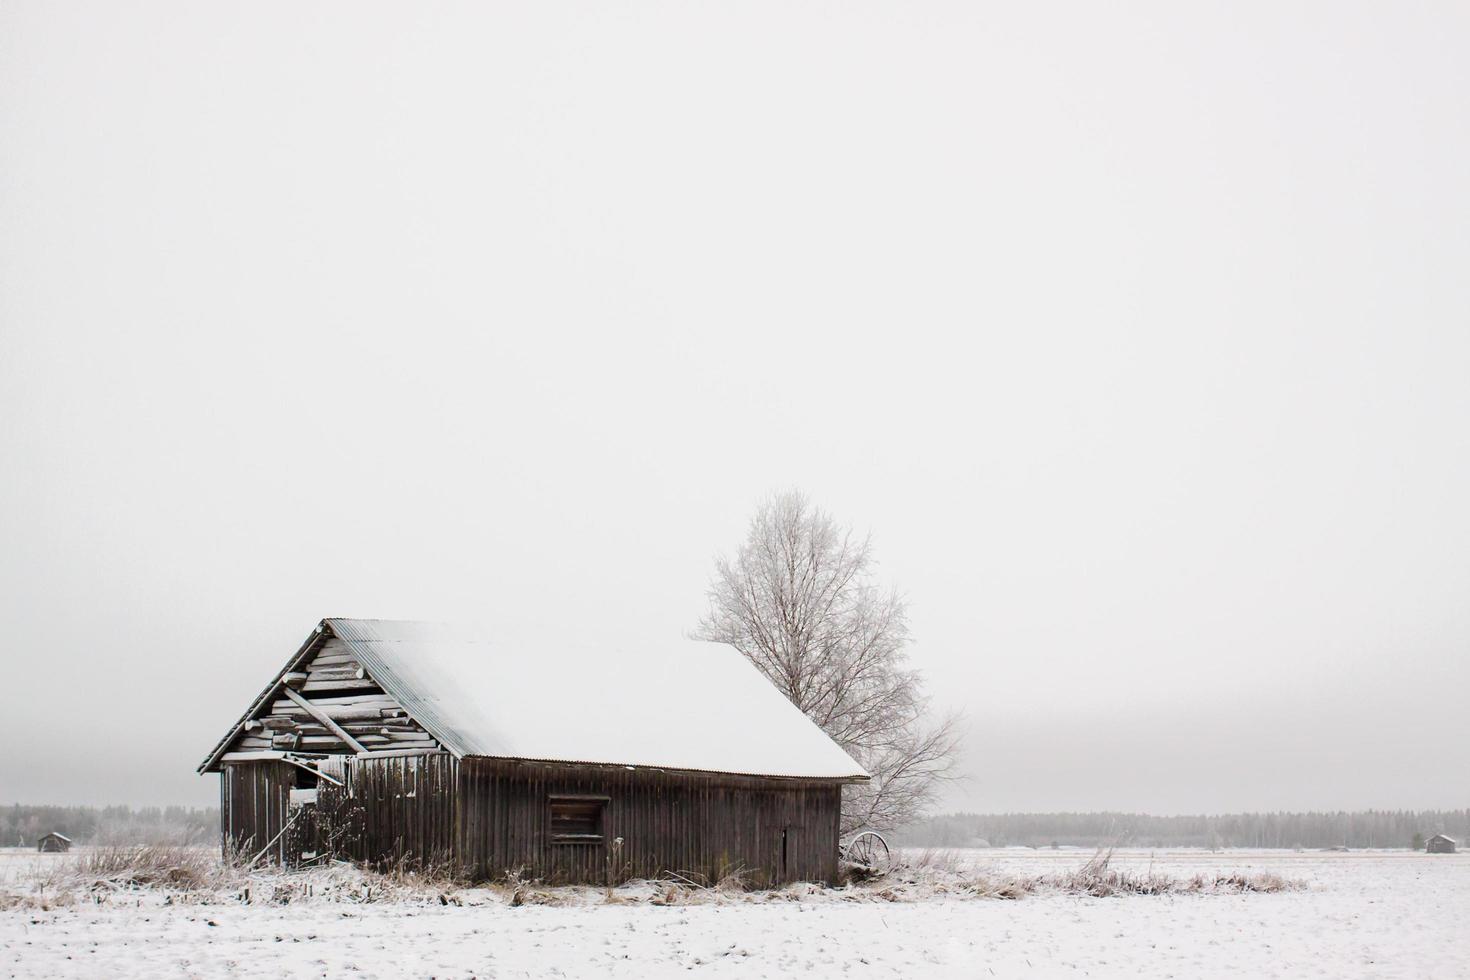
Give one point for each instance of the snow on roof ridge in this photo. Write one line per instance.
(680, 704)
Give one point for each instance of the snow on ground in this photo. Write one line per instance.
(1364, 914)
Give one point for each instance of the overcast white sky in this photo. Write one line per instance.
(1138, 335)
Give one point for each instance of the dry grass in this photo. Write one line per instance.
(150, 865)
(176, 874)
(179, 874)
(937, 859)
(517, 890)
(1098, 878)
(940, 874)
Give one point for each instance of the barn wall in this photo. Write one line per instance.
(387, 810)
(697, 825)
(488, 817)
(252, 805)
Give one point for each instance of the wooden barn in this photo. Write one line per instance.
(53, 843)
(1440, 844)
(385, 741)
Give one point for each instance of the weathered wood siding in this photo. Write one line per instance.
(698, 825)
(489, 817)
(333, 681)
(252, 806)
(388, 810)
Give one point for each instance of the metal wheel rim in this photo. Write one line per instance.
(869, 850)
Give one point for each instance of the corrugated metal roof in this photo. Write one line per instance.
(683, 704)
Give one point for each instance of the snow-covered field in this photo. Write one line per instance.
(1363, 914)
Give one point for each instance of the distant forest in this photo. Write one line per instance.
(21, 825)
(1369, 828)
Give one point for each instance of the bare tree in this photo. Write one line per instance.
(800, 602)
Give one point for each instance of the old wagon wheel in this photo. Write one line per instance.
(868, 851)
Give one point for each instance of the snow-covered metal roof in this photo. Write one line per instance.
(681, 704)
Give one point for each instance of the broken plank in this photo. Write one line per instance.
(325, 719)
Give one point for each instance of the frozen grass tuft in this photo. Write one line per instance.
(150, 865)
(174, 874)
(937, 859)
(938, 875)
(179, 875)
(1099, 879)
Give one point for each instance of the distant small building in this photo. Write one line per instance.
(1440, 844)
(54, 843)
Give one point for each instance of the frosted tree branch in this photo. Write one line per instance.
(798, 600)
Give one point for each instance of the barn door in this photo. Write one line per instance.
(788, 839)
(299, 844)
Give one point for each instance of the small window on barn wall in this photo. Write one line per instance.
(576, 819)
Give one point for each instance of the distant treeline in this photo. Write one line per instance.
(1369, 828)
(22, 825)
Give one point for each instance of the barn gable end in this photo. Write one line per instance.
(323, 696)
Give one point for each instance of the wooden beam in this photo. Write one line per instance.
(342, 682)
(326, 720)
(311, 769)
(350, 712)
